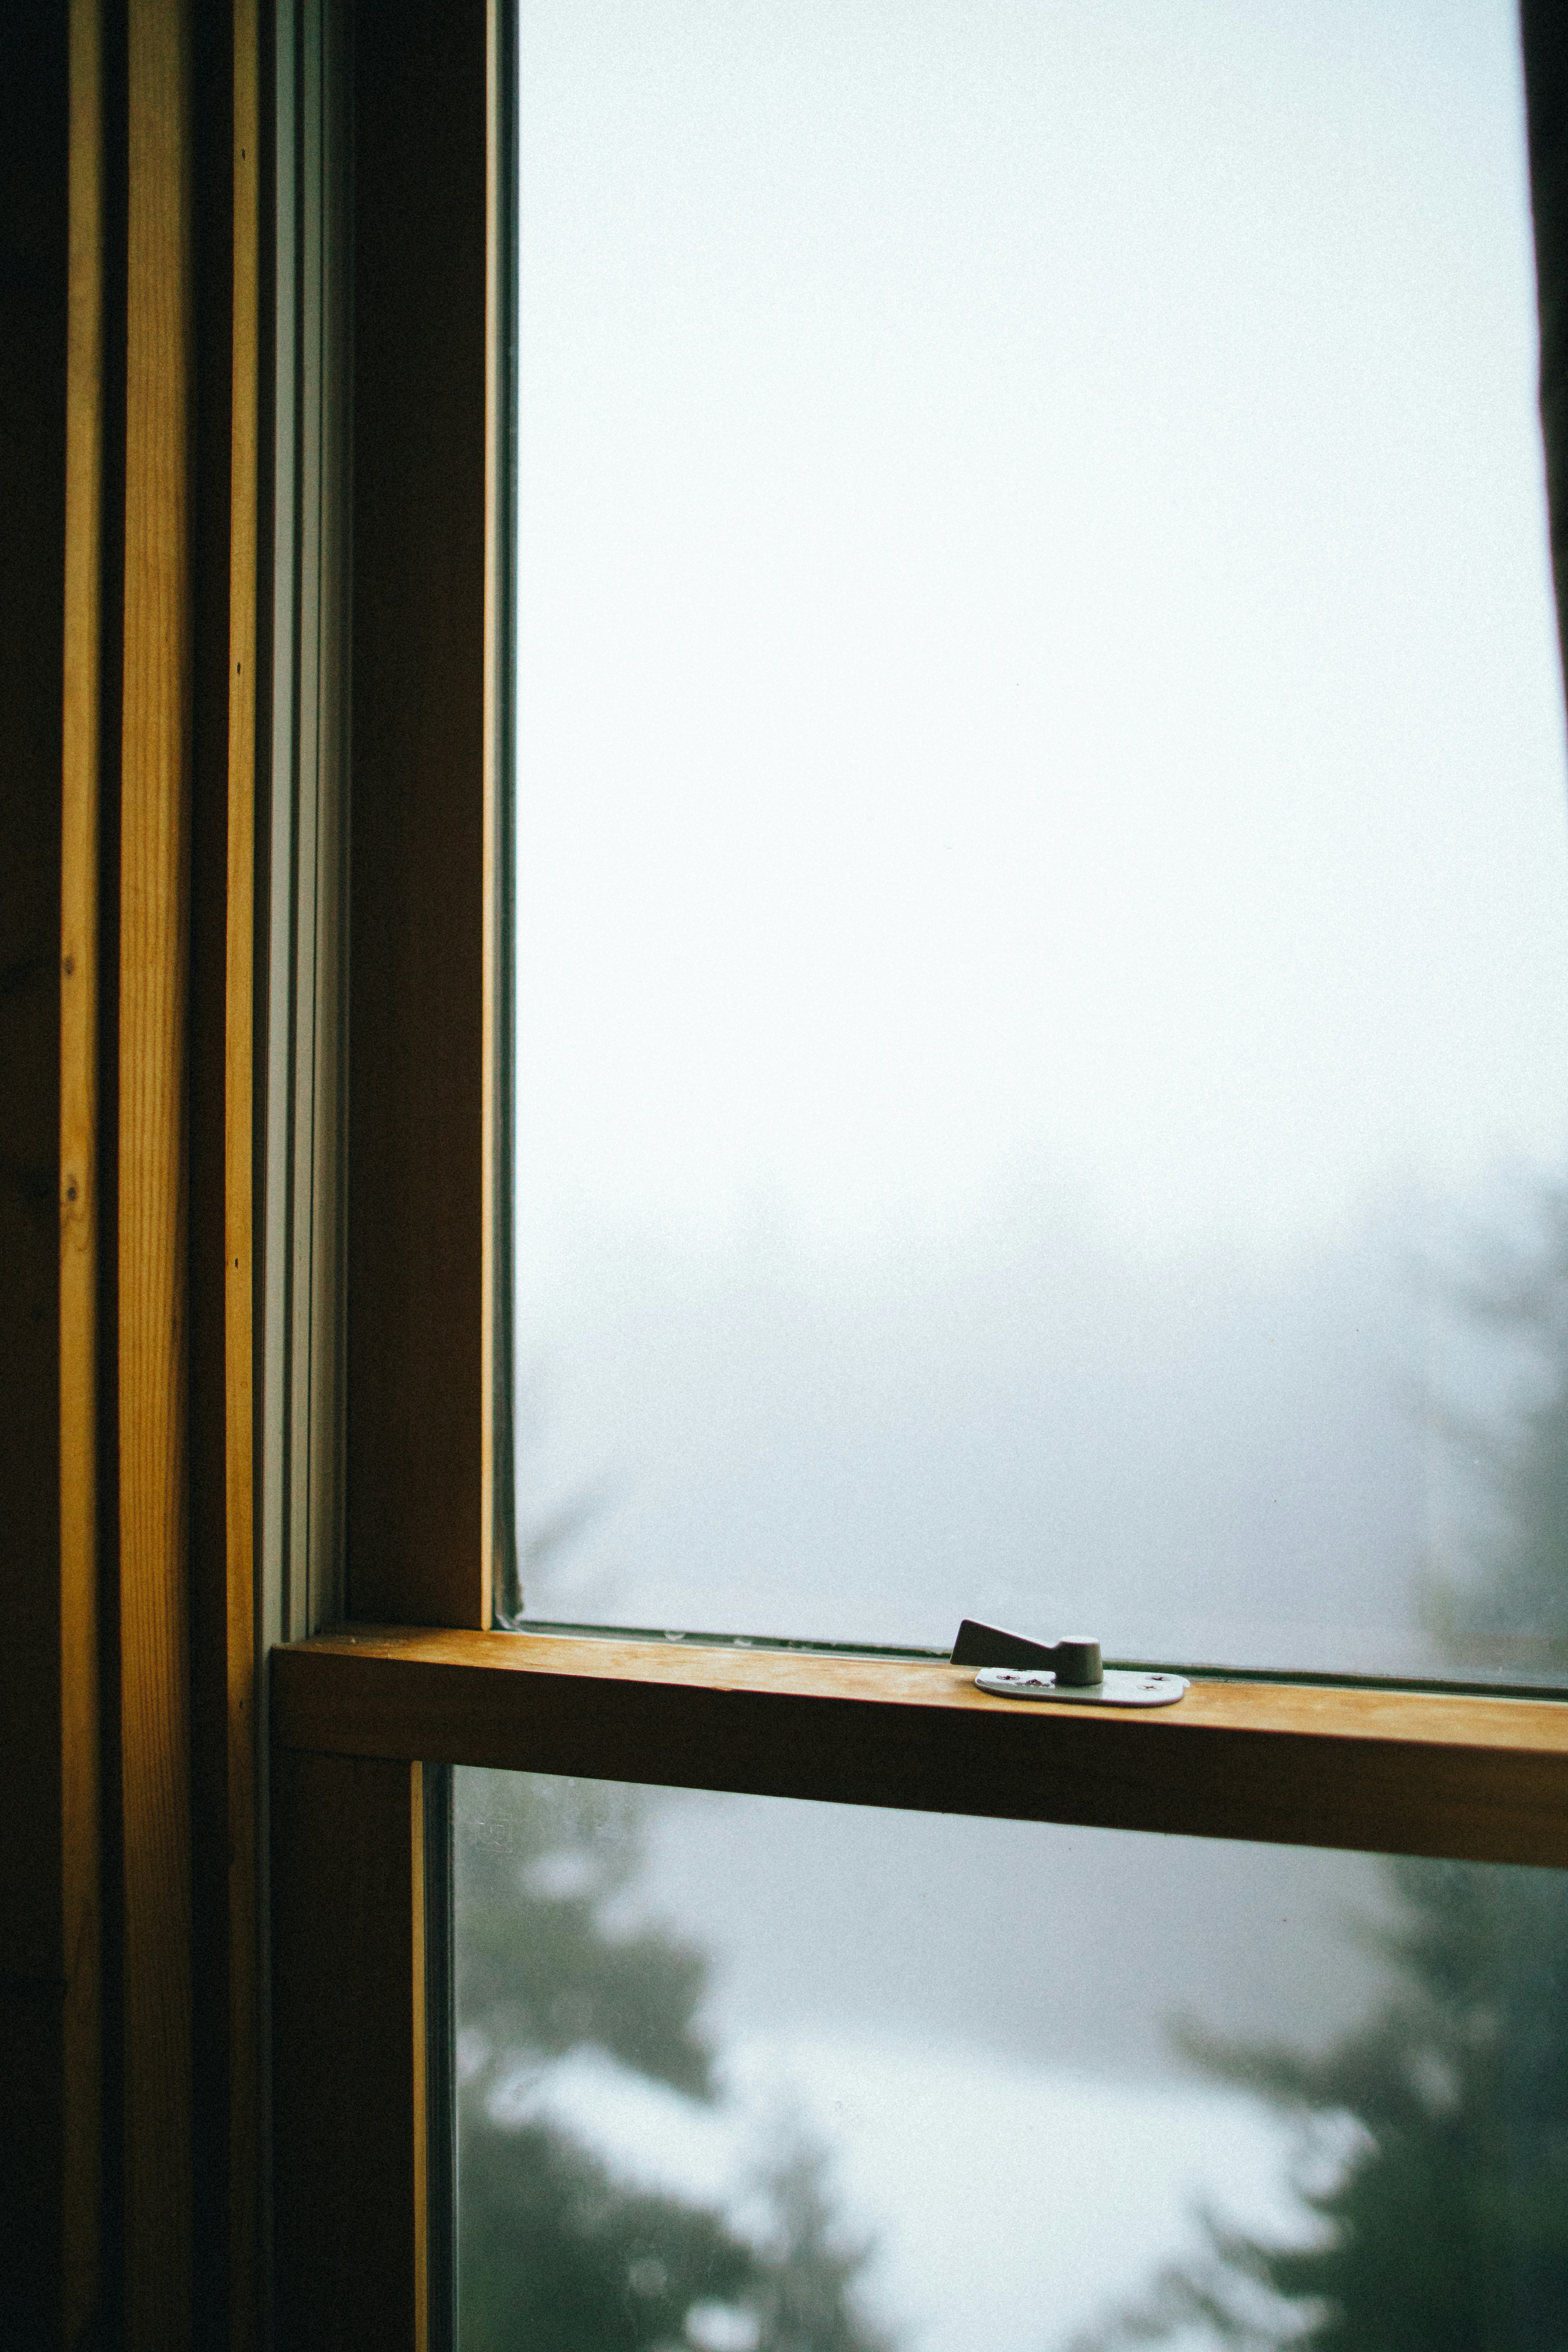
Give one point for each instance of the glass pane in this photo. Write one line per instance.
(1043, 888)
(763, 2076)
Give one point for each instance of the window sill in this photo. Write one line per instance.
(1477, 1778)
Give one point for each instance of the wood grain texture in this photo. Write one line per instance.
(415, 1148)
(495, 1157)
(243, 2019)
(348, 1882)
(154, 944)
(1388, 1773)
(418, 2062)
(80, 1225)
(35, 1870)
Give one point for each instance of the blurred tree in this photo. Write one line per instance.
(556, 2253)
(1433, 2153)
(807, 2299)
(1514, 1603)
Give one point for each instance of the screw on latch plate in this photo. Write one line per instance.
(1014, 1666)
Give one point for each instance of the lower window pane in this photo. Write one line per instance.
(746, 2075)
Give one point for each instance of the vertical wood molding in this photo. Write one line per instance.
(82, 1890)
(349, 2001)
(501, 1598)
(155, 947)
(416, 1551)
(418, 2069)
(495, 718)
(239, 1167)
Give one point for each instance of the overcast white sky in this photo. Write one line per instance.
(1035, 641)
(1039, 696)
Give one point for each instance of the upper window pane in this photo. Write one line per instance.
(1043, 886)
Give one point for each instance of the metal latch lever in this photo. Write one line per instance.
(1014, 1666)
(1074, 1659)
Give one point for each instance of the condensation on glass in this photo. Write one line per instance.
(744, 2075)
(1043, 886)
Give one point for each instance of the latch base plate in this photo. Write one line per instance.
(1119, 1687)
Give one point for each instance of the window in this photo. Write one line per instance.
(220, 251)
(366, 1720)
(1043, 844)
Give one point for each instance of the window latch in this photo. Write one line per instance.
(1014, 1667)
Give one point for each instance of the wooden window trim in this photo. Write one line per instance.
(1476, 1779)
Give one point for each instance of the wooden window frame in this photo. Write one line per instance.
(364, 1717)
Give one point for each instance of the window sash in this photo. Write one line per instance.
(1466, 1777)
(364, 1718)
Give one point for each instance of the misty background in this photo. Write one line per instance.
(1042, 924)
(1042, 987)
(969, 2023)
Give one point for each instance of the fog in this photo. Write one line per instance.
(1042, 972)
(1043, 894)
(972, 2023)
(1191, 1460)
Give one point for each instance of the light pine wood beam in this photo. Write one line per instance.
(155, 1695)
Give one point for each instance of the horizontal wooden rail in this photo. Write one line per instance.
(1476, 1779)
